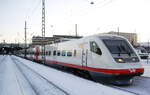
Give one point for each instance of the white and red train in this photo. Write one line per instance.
(105, 56)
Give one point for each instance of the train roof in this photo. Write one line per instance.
(100, 36)
(107, 36)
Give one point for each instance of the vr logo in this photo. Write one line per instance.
(132, 70)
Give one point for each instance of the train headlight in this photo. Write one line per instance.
(135, 59)
(120, 60)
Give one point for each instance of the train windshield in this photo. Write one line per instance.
(118, 46)
(143, 51)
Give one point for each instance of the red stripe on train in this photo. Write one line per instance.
(109, 71)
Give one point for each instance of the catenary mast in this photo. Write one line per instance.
(43, 30)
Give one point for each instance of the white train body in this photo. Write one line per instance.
(98, 54)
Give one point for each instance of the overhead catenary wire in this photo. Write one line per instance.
(89, 5)
(33, 9)
(100, 3)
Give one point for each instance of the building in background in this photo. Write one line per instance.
(132, 37)
(37, 40)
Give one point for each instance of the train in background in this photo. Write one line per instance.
(142, 52)
(102, 56)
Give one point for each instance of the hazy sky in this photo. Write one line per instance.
(62, 15)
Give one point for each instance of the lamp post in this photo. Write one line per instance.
(148, 52)
(148, 46)
(25, 52)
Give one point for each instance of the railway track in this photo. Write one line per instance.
(2, 59)
(140, 86)
(116, 87)
(39, 84)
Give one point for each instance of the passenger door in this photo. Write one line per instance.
(84, 59)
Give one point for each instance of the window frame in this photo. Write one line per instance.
(95, 50)
(69, 55)
(54, 53)
(49, 53)
(58, 53)
(63, 53)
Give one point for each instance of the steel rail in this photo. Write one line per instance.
(51, 83)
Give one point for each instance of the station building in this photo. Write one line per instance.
(38, 40)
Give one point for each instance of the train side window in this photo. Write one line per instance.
(69, 54)
(54, 52)
(49, 53)
(63, 53)
(46, 52)
(58, 53)
(94, 48)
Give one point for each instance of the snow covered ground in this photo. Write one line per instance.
(146, 65)
(18, 77)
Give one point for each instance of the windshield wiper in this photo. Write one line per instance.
(127, 51)
(119, 50)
